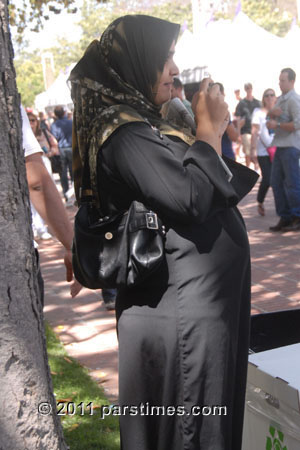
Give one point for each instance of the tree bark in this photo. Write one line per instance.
(25, 380)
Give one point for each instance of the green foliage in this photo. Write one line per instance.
(73, 385)
(29, 70)
(65, 53)
(264, 14)
(34, 12)
(97, 16)
(29, 77)
(176, 11)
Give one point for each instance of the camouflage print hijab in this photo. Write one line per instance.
(113, 84)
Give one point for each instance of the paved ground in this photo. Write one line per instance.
(88, 330)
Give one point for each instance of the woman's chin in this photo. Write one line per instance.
(162, 99)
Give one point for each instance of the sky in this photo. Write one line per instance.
(58, 25)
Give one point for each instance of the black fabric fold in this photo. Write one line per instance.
(243, 179)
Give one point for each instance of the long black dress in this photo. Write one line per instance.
(183, 335)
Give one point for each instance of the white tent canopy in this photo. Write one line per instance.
(237, 52)
(57, 94)
(234, 52)
(292, 44)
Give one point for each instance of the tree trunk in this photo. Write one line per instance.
(25, 380)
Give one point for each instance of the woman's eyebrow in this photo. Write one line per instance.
(171, 53)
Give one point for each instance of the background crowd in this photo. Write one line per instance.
(262, 134)
(256, 129)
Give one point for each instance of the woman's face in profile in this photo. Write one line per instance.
(162, 89)
(33, 123)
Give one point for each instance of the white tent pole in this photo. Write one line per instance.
(48, 69)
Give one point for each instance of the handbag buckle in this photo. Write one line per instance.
(151, 221)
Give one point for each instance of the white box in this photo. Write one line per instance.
(272, 410)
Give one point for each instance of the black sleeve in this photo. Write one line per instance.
(239, 109)
(187, 191)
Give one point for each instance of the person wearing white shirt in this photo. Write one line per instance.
(261, 139)
(45, 196)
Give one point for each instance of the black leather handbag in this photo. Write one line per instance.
(115, 251)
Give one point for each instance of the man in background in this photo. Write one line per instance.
(237, 93)
(244, 110)
(177, 91)
(62, 131)
(285, 175)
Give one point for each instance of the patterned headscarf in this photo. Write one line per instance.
(113, 84)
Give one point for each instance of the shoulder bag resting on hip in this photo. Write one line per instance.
(115, 251)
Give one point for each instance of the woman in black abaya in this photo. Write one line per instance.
(183, 334)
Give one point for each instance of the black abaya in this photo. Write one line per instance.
(183, 335)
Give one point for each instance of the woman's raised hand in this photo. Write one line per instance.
(211, 113)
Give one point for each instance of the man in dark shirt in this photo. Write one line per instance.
(62, 131)
(244, 109)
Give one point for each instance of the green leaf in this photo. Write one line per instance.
(269, 444)
(280, 435)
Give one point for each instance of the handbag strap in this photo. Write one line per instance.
(148, 219)
(86, 194)
(85, 179)
(47, 137)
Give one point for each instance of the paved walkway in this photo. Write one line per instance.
(88, 330)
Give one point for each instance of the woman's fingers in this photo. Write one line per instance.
(225, 123)
(216, 105)
(205, 85)
(194, 103)
(219, 85)
(211, 112)
(216, 90)
(75, 288)
(204, 89)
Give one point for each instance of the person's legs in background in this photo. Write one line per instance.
(68, 168)
(265, 166)
(64, 172)
(246, 146)
(68, 152)
(290, 164)
(278, 186)
(109, 298)
(39, 228)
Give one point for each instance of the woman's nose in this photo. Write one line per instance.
(175, 70)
